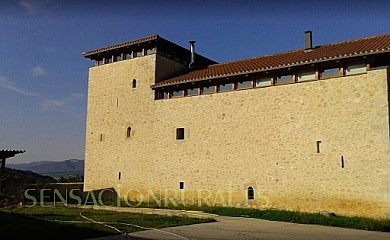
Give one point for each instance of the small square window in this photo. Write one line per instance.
(262, 81)
(356, 69)
(243, 85)
(177, 93)
(283, 79)
(192, 91)
(306, 76)
(225, 87)
(208, 89)
(179, 133)
(330, 72)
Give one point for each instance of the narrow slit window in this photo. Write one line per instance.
(134, 83)
(119, 175)
(251, 193)
(128, 132)
(342, 161)
(318, 146)
(181, 185)
(179, 133)
(101, 137)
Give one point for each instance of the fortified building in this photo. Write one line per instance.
(304, 130)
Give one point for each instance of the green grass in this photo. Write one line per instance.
(370, 224)
(50, 223)
(305, 218)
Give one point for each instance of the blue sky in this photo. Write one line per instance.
(43, 76)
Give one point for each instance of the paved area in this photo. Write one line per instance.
(229, 228)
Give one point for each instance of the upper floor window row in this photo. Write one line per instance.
(125, 55)
(265, 80)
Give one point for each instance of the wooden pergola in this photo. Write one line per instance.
(4, 154)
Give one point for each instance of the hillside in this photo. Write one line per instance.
(71, 167)
(13, 182)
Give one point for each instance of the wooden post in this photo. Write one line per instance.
(3, 164)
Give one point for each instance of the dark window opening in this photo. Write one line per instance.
(342, 161)
(119, 175)
(318, 146)
(179, 133)
(251, 193)
(181, 185)
(128, 133)
(134, 84)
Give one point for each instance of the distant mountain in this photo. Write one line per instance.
(71, 167)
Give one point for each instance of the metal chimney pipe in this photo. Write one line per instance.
(308, 40)
(192, 49)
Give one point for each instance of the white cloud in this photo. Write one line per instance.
(32, 6)
(5, 83)
(66, 102)
(48, 105)
(38, 71)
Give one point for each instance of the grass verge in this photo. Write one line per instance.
(62, 223)
(382, 225)
(369, 224)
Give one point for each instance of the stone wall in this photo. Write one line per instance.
(264, 138)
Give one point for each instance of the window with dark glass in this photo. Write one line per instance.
(179, 133)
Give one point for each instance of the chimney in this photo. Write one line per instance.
(308, 40)
(191, 66)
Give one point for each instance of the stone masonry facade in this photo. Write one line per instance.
(310, 146)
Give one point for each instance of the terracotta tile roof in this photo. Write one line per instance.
(121, 45)
(348, 49)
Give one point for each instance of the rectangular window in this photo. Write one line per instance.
(179, 133)
(244, 84)
(330, 72)
(148, 51)
(109, 60)
(138, 53)
(118, 58)
(128, 56)
(192, 91)
(165, 95)
(177, 93)
(208, 89)
(356, 69)
(284, 79)
(181, 185)
(225, 87)
(263, 82)
(306, 76)
(100, 62)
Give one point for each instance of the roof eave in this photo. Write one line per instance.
(270, 69)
